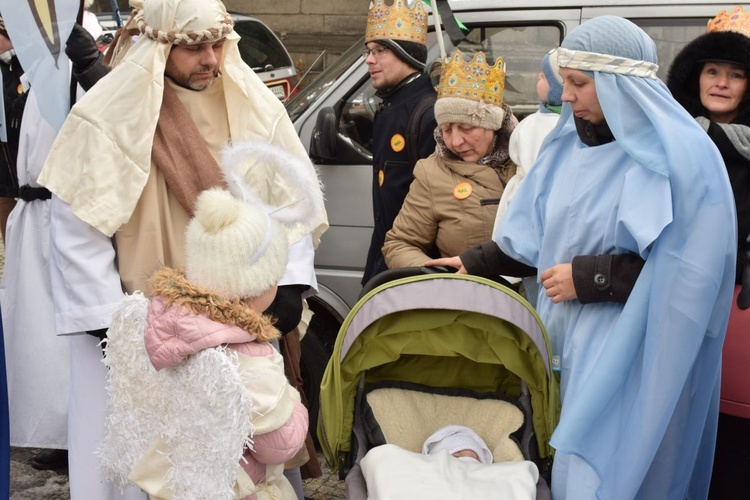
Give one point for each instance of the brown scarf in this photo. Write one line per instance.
(181, 155)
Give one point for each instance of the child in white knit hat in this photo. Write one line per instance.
(202, 408)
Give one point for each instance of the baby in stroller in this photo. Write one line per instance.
(455, 463)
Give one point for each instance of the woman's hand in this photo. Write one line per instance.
(558, 282)
(454, 262)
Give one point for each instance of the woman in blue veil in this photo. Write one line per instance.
(627, 173)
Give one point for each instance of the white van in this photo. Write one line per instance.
(333, 116)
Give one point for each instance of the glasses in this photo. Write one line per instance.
(377, 52)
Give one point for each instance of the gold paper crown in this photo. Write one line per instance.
(475, 79)
(737, 20)
(396, 22)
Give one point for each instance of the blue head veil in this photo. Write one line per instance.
(644, 416)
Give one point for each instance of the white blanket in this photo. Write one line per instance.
(392, 473)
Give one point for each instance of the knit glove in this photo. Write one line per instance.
(286, 308)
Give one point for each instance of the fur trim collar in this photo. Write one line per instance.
(172, 286)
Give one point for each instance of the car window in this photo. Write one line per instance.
(259, 47)
(670, 36)
(314, 89)
(357, 115)
(522, 48)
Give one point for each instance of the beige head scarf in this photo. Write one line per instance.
(101, 158)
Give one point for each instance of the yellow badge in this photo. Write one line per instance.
(381, 177)
(398, 142)
(19, 89)
(462, 190)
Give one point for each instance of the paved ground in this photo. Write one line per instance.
(27, 483)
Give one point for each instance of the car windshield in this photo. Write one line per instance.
(311, 92)
(259, 47)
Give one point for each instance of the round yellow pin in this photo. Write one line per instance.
(462, 190)
(381, 177)
(398, 142)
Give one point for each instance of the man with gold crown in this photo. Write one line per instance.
(396, 53)
(125, 172)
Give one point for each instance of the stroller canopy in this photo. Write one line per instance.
(440, 330)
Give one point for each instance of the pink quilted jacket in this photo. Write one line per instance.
(174, 333)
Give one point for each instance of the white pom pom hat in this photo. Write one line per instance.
(236, 244)
(234, 249)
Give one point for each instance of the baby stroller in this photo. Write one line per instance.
(420, 352)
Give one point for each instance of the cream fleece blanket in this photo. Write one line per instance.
(407, 418)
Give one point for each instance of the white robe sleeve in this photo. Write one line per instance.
(86, 286)
(300, 270)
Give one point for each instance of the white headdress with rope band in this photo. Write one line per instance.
(591, 61)
(212, 34)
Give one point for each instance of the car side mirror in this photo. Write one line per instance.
(324, 137)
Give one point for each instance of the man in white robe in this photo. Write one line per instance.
(125, 170)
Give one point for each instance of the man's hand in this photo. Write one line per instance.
(287, 307)
(454, 262)
(558, 282)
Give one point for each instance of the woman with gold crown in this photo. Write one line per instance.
(709, 77)
(452, 202)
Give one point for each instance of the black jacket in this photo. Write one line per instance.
(391, 159)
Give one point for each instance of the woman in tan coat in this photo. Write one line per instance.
(453, 199)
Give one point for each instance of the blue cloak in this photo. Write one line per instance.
(640, 380)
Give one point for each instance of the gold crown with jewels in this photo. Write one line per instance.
(737, 20)
(396, 22)
(474, 79)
